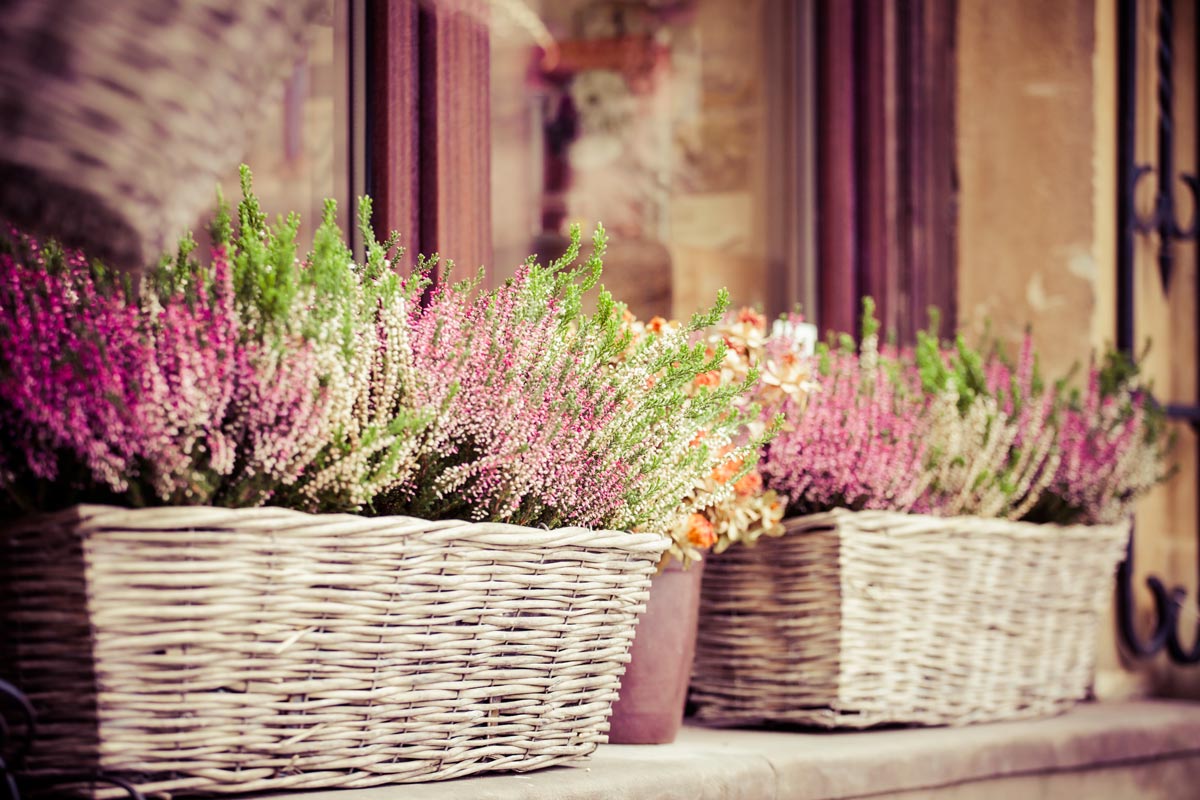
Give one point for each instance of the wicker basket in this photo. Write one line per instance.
(855, 619)
(216, 650)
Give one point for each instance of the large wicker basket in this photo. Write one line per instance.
(215, 650)
(855, 619)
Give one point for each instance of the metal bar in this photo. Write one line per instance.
(1126, 156)
(1127, 175)
(1163, 211)
(1184, 413)
(10, 786)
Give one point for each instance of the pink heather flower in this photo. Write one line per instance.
(1110, 455)
(858, 444)
(519, 411)
(141, 397)
(69, 381)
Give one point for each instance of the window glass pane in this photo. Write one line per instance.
(652, 118)
(299, 148)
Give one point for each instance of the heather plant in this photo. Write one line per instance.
(371, 437)
(1113, 443)
(143, 393)
(106, 395)
(355, 320)
(517, 403)
(939, 429)
(283, 395)
(251, 377)
(548, 416)
(991, 432)
(858, 443)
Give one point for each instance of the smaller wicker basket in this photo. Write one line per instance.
(215, 650)
(856, 619)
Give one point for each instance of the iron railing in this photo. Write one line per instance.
(18, 729)
(1163, 221)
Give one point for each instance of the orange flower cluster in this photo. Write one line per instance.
(700, 532)
(732, 504)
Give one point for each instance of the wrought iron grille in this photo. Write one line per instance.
(1163, 221)
(18, 728)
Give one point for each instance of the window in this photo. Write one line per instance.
(299, 150)
(679, 125)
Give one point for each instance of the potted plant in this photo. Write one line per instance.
(728, 506)
(946, 558)
(284, 526)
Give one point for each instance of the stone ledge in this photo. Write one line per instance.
(731, 764)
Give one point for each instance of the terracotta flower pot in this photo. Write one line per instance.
(649, 709)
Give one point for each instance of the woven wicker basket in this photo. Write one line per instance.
(216, 650)
(855, 619)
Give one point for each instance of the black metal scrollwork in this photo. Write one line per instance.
(1169, 605)
(1164, 216)
(16, 741)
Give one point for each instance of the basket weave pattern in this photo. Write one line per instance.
(217, 650)
(855, 619)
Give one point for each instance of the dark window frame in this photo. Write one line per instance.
(883, 210)
(886, 177)
(427, 108)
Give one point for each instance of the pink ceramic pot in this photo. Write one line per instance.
(649, 709)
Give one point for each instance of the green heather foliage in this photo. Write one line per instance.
(325, 384)
(949, 429)
(992, 435)
(545, 416)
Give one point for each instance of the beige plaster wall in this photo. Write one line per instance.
(1031, 245)
(1037, 241)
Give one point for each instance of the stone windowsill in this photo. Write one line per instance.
(1131, 749)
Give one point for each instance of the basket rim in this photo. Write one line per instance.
(94, 519)
(903, 523)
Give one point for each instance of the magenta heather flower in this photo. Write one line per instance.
(518, 409)
(859, 443)
(148, 395)
(101, 396)
(68, 382)
(1113, 444)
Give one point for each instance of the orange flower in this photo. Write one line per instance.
(655, 325)
(707, 379)
(748, 484)
(727, 470)
(700, 531)
(748, 314)
(698, 438)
